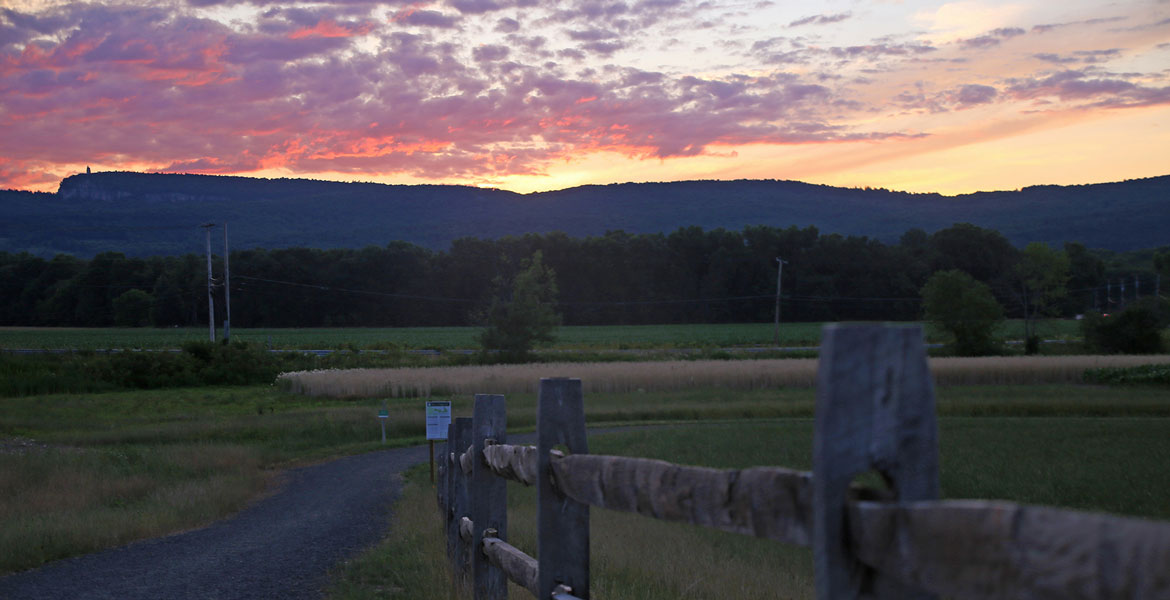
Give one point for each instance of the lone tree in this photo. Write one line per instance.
(523, 315)
(1041, 279)
(965, 308)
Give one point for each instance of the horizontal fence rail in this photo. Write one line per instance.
(875, 410)
(766, 502)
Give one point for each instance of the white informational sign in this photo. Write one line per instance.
(438, 418)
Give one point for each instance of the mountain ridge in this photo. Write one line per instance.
(142, 214)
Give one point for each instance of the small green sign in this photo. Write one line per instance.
(383, 414)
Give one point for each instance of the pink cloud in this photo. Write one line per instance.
(973, 94)
(20, 174)
(507, 25)
(1080, 56)
(960, 98)
(1067, 85)
(991, 38)
(821, 19)
(604, 49)
(159, 88)
(882, 49)
(415, 108)
(490, 52)
(426, 18)
(592, 35)
(1047, 27)
(1089, 88)
(192, 95)
(328, 28)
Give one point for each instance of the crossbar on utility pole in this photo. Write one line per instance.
(210, 295)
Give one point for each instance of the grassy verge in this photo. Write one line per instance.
(81, 472)
(1112, 464)
(410, 563)
(59, 502)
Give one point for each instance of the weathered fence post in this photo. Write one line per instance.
(489, 510)
(459, 504)
(441, 484)
(875, 410)
(449, 496)
(562, 524)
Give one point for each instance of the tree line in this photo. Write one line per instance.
(691, 275)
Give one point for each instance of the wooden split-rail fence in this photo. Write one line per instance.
(874, 412)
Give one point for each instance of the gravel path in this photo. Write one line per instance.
(280, 547)
(283, 546)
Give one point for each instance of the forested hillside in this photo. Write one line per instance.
(690, 275)
(153, 214)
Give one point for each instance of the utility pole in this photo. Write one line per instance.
(227, 290)
(1121, 282)
(779, 281)
(1137, 288)
(210, 296)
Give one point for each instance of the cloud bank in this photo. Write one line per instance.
(479, 90)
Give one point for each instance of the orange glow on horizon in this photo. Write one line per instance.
(977, 160)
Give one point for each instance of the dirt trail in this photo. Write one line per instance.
(283, 546)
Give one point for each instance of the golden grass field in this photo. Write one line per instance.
(675, 375)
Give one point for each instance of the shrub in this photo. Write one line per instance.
(1142, 374)
(1136, 330)
(145, 370)
(236, 363)
(197, 363)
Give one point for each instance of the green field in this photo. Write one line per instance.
(447, 338)
(82, 472)
(608, 337)
(1073, 462)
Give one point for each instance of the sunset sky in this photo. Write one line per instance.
(911, 95)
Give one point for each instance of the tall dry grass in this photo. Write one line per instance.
(59, 502)
(677, 375)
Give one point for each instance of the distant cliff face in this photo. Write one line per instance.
(111, 187)
(142, 214)
(86, 187)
